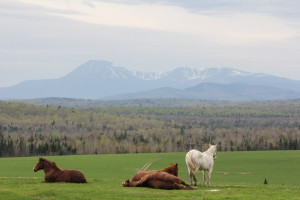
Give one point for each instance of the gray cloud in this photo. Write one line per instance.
(281, 8)
(51, 46)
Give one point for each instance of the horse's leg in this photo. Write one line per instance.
(183, 183)
(50, 179)
(195, 179)
(178, 186)
(203, 182)
(209, 174)
(191, 178)
(191, 175)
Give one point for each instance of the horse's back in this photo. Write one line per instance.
(193, 152)
(163, 180)
(190, 158)
(172, 169)
(73, 176)
(141, 174)
(198, 160)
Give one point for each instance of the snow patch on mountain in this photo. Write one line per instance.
(147, 75)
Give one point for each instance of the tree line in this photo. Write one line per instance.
(29, 130)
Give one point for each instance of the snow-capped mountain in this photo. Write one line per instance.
(183, 74)
(219, 75)
(99, 70)
(98, 79)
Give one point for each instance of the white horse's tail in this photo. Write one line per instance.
(190, 162)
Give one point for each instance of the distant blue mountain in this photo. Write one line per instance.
(99, 79)
(214, 91)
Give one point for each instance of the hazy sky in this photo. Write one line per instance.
(49, 38)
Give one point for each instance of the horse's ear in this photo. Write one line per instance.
(41, 159)
(176, 164)
(209, 145)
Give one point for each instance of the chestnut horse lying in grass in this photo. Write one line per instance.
(159, 180)
(54, 174)
(162, 179)
(172, 169)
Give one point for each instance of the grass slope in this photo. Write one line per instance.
(237, 175)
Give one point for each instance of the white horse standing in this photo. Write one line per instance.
(196, 160)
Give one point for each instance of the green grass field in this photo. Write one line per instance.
(236, 175)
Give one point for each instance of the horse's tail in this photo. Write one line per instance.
(190, 162)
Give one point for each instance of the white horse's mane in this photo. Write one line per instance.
(212, 148)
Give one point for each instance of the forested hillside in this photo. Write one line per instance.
(27, 130)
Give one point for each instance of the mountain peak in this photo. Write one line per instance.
(96, 64)
(100, 69)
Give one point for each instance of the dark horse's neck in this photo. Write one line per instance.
(50, 167)
(168, 170)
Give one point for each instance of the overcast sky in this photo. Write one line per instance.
(42, 39)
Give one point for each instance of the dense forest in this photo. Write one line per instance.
(164, 102)
(29, 130)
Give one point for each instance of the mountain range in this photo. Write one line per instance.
(103, 80)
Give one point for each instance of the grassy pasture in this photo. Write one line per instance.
(237, 175)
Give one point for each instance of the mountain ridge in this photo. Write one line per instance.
(213, 91)
(98, 79)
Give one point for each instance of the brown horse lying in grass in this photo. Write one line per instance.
(159, 180)
(54, 174)
(172, 169)
(162, 179)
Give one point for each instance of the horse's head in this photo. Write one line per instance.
(39, 165)
(214, 150)
(174, 169)
(125, 183)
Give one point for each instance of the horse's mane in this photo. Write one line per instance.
(171, 169)
(53, 164)
(212, 148)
